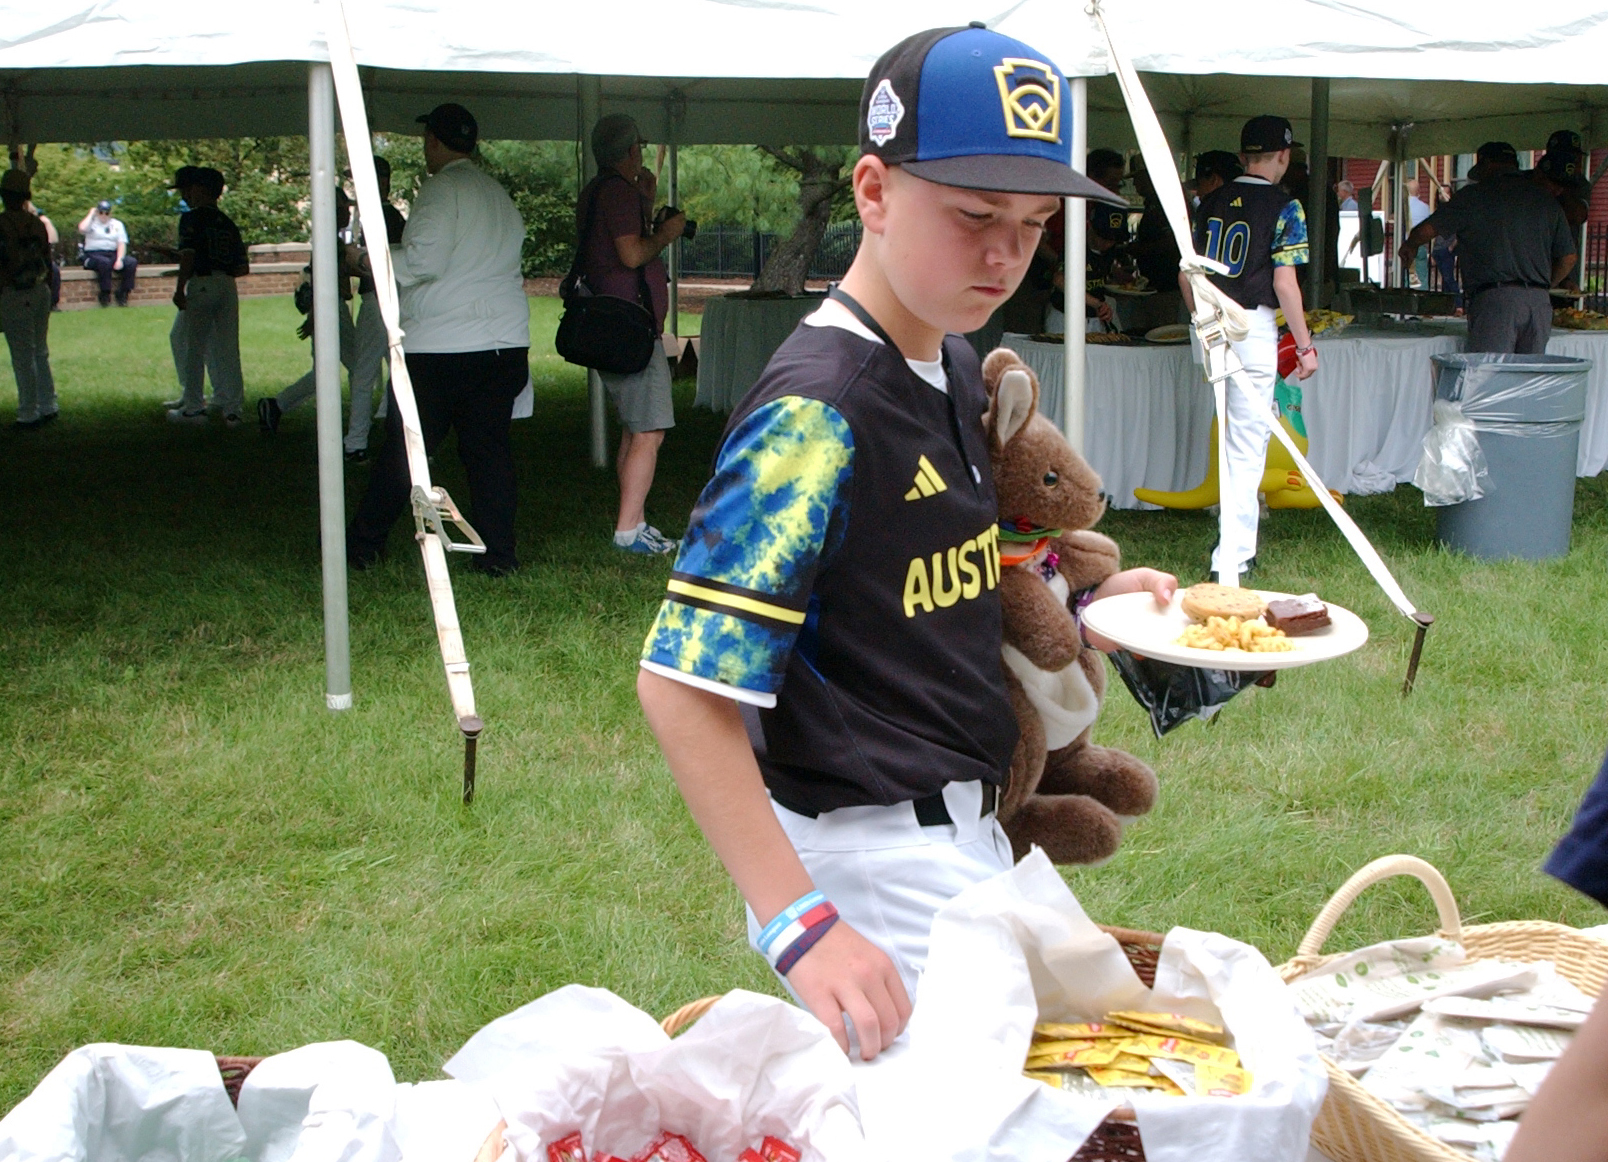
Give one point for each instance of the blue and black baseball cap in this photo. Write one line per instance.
(969, 107)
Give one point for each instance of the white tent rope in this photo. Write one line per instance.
(1219, 319)
(431, 504)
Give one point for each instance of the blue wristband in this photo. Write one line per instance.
(785, 917)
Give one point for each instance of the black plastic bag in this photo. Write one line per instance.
(1173, 694)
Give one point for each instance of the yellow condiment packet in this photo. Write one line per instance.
(1216, 1081)
(1082, 1030)
(1122, 1077)
(1055, 1054)
(1167, 1025)
(1180, 1049)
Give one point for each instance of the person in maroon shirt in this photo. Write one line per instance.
(621, 256)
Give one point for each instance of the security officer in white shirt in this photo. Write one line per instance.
(106, 251)
(466, 333)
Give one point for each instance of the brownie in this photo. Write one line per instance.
(1297, 615)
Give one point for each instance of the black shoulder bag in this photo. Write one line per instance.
(604, 332)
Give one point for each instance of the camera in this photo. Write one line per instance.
(689, 232)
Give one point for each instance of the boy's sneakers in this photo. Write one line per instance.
(177, 416)
(644, 539)
(268, 413)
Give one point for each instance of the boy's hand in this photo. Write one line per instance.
(846, 974)
(1161, 585)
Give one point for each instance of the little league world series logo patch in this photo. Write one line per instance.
(1030, 93)
(886, 111)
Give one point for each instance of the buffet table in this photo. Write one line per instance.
(1148, 410)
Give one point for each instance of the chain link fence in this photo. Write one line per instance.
(728, 252)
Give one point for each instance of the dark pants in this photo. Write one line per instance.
(100, 261)
(55, 285)
(1510, 320)
(472, 392)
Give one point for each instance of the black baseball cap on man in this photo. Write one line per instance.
(453, 125)
(1564, 141)
(104, 206)
(1218, 163)
(1268, 133)
(972, 108)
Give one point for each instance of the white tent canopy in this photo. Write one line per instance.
(789, 71)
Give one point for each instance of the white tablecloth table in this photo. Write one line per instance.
(1148, 411)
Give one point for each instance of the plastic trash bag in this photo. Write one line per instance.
(1453, 463)
(1172, 694)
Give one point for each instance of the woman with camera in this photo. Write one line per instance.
(621, 246)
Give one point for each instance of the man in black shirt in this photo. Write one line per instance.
(206, 334)
(369, 362)
(1513, 243)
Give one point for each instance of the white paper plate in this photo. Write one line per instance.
(1171, 333)
(1130, 292)
(1137, 624)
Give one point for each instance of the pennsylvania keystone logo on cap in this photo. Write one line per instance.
(973, 108)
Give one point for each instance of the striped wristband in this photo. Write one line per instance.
(790, 955)
(787, 916)
(795, 930)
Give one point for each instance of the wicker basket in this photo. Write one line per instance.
(1355, 1126)
(234, 1071)
(1114, 1140)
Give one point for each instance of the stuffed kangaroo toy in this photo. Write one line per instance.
(1065, 794)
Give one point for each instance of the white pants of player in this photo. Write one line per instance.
(888, 875)
(206, 342)
(25, 316)
(304, 387)
(1250, 424)
(367, 362)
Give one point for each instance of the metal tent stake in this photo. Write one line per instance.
(1424, 621)
(471, 727)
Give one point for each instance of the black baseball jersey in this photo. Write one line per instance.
(844, 559)
(1251, 226)
(214, 238)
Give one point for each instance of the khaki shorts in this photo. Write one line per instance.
(643, 400)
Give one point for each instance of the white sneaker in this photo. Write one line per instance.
(176, 416)
(654, 537)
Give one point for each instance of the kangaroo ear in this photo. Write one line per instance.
(1013, 404)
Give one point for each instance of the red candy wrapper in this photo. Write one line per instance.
(750, 1155)
(567, 1149)
(776, 1150)
(670, 1148)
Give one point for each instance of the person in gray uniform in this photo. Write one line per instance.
(1513, 243)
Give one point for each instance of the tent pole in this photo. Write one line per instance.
(591, 101)
(327, 378)
(673, 254)
(1318, 195)
(1074, 278)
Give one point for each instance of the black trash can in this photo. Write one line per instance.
(1527, 410)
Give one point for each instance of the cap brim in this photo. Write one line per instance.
(1011, 174)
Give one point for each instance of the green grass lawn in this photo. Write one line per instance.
(194, 852)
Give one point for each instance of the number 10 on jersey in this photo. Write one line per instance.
(1228, 246)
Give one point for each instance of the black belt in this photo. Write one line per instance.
(1483, 287)
(934, 812)
(930, 812)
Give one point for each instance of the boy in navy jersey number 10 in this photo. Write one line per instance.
(824, 674)
(1258, 231)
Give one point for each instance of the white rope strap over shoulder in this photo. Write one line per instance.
(432, 507)
(1219, 321)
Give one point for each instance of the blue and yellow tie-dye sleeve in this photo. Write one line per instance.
(1290, 236)
(740, 589)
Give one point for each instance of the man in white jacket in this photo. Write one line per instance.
(466, 328)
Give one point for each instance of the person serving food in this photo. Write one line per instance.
(840, 745)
